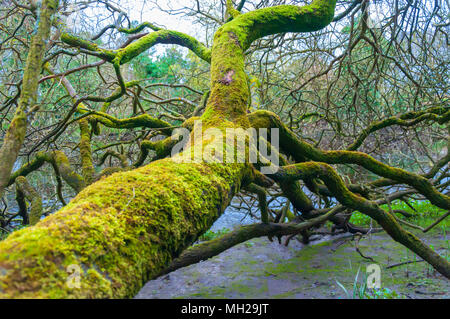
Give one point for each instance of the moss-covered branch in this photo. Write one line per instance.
(124, 55)
(262, 200)
(370, 208)
(437, 114)
(162, 149)
(88, 46)
(134, 30)
(143, 120)
(31, 195)
(214, 247)
(292, 190)
(87, 165)
(132, 50)
(256, 24)
(128, 227)
(121, 157)
(301, 149)
(231, 12)
(120, 231)
(60, 163)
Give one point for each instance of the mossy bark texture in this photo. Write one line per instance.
(120, 231)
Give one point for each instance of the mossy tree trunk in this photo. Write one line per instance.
(15, 134)
(126, 228)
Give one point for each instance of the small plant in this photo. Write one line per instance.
(360, 290)
(360, 219)
(383, 293)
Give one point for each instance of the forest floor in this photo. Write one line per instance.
(263, 269)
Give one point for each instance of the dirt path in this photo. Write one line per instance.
(261, 269)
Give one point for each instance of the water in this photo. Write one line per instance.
(233, 217)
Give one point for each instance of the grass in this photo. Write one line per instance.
(424, 215)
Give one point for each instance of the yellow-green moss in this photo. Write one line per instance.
(87, 165)
(284, 18)
(127, 226)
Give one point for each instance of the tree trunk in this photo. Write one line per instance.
(15, 134)
(120, 231)
(124, 229)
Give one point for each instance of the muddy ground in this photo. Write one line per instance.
(263, 269)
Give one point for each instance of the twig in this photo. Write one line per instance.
(404, 263)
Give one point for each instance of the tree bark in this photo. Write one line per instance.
(15, 134)
(120, 231)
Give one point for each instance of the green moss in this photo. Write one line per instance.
(229, 96)
(31, 195)
(130, 224)
(61, 163)
(239, 289)
(143, 120)
(73, 40)
(124, 55)
(285, 18)
(139, 28)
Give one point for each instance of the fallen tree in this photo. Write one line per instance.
(127, 228)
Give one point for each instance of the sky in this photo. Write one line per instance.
(142, 11)
(162, 18)
(139, 10)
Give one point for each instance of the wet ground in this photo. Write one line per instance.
(263, 269)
